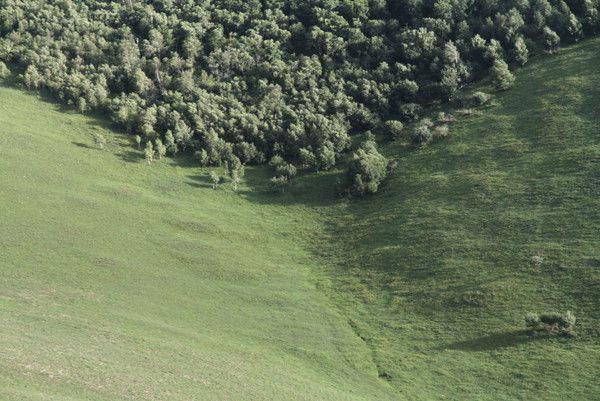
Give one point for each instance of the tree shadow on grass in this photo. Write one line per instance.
(310, 189)
(200, 181)
(83, 145)
(129, 156)
(493, 341)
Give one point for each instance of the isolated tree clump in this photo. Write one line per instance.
(552, 323)
(367, 170)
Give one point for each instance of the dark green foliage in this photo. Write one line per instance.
(367, 169)
(520, 53)
(552, 322)
(258, 79)
(550, 39)
(393, 129)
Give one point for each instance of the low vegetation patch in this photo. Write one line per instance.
(552, 323)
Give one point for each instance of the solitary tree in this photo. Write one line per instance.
(138, 141)
(367, 169)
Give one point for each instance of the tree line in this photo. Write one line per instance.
(245, 81)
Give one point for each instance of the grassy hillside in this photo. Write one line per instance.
(124, 281)
(438, 269)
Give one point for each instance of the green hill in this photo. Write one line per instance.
(127, 281)
(124, 281)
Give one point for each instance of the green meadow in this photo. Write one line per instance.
(122, 281)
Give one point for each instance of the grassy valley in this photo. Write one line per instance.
(127, 281)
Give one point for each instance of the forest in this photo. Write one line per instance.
(247, 81)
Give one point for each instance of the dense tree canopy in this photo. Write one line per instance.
(254, 79)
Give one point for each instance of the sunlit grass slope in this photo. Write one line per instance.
(438, 269)
(121, 281)
(124, 281)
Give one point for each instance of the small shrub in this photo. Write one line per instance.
(552, 323)
(286, 170)
(441, 131)
(537, 260)
(278, 184)
(479, 98)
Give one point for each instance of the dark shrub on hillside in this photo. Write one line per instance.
(410, 111)
(552, 322)
(367, 169)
